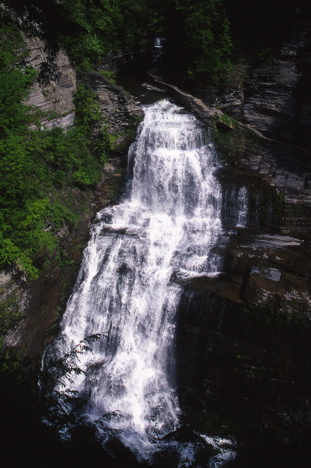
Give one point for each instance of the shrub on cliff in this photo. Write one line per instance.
(36, 165)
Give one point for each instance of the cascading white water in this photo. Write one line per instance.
(235, 206)
(157, 49)
(167, 224)
(242, 207)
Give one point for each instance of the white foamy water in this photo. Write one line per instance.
(168, 222)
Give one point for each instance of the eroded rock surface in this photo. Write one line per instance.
(242, 349)
(117, 106)
(276, 98)
(52, 94)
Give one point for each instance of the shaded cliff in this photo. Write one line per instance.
(243, 338)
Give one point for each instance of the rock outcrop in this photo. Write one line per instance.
(276, 97)
(118, 107)
(52, 93)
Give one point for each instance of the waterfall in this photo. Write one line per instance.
(157, 49)
(166, 224)
(235, 207)
(242, 207)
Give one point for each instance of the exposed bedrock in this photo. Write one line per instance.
(242, 349)
(52, 93)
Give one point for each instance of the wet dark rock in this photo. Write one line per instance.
(122, 454)
(181, 440)
(246, 363)
(223, 284)
(181, 434)
(242, 350)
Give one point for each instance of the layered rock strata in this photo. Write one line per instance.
(52, 93)
(242, 353)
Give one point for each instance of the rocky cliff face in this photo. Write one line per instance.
(117, 106)
(274, 103)
(242, 351)
(52, 93)
(277, 98)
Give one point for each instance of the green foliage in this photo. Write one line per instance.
(10, 315)
(106, 25)
(105, 143)
(87, 109)
(88, 118)
(109, 74)
(14, 81)
(266, 56)
(198, 34)
(58, 215)
(231, 139)
(36, 165)
(62, 406)
(203, 41)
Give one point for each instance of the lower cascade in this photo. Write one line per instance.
(118, 330)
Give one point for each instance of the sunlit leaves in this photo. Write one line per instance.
(35, 165)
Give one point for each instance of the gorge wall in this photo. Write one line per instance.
(52, 93)
(243, 350)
